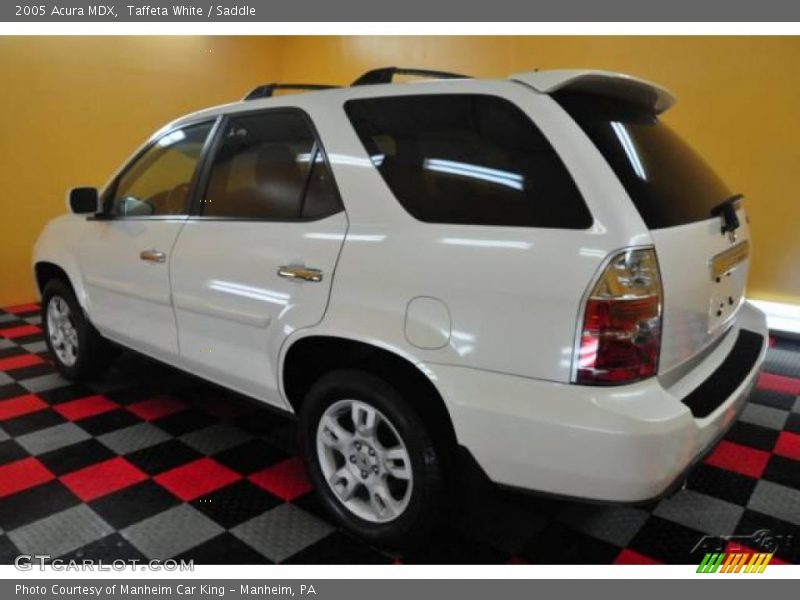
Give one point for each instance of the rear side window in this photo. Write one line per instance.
(269, 166)
(669, 183)
(467, 159)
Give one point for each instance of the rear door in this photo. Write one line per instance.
(703, 268)
(256, 260)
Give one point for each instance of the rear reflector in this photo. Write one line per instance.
(620, 338)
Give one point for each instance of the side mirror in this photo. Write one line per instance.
(83, 200)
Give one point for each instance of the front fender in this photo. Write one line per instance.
(57, 244)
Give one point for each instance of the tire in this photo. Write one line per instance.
(92, 353)
(405, 508)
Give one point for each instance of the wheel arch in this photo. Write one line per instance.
(44, 271)
(309, 357)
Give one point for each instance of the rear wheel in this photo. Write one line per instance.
(371, 458)
(78, 349)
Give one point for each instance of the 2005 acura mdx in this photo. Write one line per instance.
(534, 276)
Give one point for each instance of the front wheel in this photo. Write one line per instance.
(77, 347)
(370, 458)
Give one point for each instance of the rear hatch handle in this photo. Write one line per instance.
(727, 210)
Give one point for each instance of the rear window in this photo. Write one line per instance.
(467, 159)
(669, 183)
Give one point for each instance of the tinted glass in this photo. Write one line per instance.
(471, 159)
(263, 168)
(669, 183)
(157, 183)
(321, 198)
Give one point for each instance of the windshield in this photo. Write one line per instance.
(669, 183)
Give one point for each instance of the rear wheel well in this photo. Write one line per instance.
(311, 357)
(45, 271)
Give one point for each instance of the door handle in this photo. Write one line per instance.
(153, 256)
(301, 273)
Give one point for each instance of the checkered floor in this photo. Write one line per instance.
(150, 463)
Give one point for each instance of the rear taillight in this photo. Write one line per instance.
(620, 338)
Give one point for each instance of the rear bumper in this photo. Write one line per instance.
(618, 444)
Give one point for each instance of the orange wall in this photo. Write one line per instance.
(74, 108)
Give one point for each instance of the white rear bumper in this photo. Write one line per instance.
(621, 444)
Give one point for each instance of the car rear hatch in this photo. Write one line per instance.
(699, 228)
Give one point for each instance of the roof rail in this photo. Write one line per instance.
(386, 75)
(269, 89)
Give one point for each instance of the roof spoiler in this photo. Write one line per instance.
(604, 83)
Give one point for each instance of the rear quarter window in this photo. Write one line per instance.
(669, 183)
(467, 159)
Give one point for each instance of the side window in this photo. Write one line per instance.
(468, 159)
(269, 166)
(157, 183)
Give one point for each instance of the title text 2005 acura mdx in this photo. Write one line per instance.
(533, 275)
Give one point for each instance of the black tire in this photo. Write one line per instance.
(94, 352)
(414, 523)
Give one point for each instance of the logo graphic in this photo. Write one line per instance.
(734, 562)
(739, 553)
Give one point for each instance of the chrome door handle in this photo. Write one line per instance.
(153, 256)
(302, 273)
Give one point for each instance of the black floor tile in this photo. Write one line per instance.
(236, 503)
(224, 549)
(35, 503)
(133, 504)
(41, 419)
(668, 542)
(185, 421)
(76, 456)
(251, 456)
(722, 484)
(559, 544)
(784, 471)
(108, 422)
(339, 549)
(163, 457)
(751, 435)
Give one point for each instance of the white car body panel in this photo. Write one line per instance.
(495, 332)
(129, 299)
(232, 308)
(692, 297)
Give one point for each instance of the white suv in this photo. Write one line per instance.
(533, 276)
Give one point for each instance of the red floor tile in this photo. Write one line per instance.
(14, 332)
(22, 308)
(631, 557)
(196, 478)
(738, 458)
(788, 445)
(286, 479)
(21, 475)
(779, 383)
(21, 405)
(158, 407)
(103, 478)
(17, 362)
(83, 408)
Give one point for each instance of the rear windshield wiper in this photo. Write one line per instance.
(727, 210)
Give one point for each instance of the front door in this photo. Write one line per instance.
(125, 256)
(257, 261)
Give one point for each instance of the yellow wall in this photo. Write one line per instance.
(73, 108)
